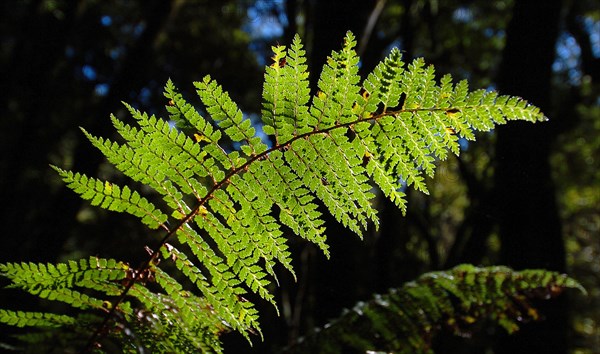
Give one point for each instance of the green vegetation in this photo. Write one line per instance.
(223, 212)
(408, 319)
(524, 195)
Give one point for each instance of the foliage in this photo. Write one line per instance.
(577, 178)
(407, 319)
(224, 211)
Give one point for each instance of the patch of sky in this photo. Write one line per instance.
(494, 32)
(106, 20)
(568, 52)
(398, 43)
(115, 53)
(139, 29)
(89, 72)
(463, 143)
(265, 20)
(462, 15)
(145, 95)
(258, 125)
(101, 89)
(69, 51)
(135, 30)
(568, 58)
(593, 28)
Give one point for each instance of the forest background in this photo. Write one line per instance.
(526, 196)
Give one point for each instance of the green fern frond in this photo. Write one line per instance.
(407, 319)
(229, 198)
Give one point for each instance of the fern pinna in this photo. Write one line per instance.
(225, 210)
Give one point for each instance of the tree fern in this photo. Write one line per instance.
(407, 319)
(227, 198)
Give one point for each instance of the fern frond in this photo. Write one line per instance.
(169, 153)
(407, 319)
(390, 131)
(229, 199)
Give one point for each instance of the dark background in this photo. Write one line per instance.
(526, 195)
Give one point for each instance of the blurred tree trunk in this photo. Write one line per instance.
(529, 224)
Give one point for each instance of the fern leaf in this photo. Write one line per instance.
(407, 319)
(390, 132)
(338, 87)
(83, 273)
(263, 229)
(230, 202)
(382, 86)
